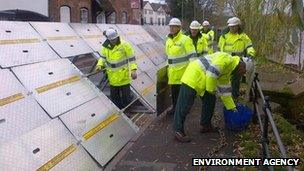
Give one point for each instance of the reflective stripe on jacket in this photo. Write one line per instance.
(118, 61)
(236, 45)
(212, 73)
(179, 50)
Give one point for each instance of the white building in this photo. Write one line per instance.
(154, 14)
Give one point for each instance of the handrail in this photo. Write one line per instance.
(264, 120)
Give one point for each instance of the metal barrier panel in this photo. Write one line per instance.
(50, 146)
(153, 52)
(90, 34)
(102, 131)
(152, 33)
(146, 88)
(104, 27)
(20, 44)
(163, 91)
(143, 62)
(57, 85)
(135, 33)
(152, 73)
(19, 113)
(62, 38)
(162, 31)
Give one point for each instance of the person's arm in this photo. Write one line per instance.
(101, 61)
(224, 90)
(189, 47)
(212, 74)
(131, 59)
(221, 43)
(250, 52)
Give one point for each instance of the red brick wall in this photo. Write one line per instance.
(125, 5)
(75, 5)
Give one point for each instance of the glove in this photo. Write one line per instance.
(234, 110)
(98, 68)
(133, 74)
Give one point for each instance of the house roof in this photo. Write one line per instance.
(145, 2)
(155, 6)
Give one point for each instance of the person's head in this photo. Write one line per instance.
(194, 28)
(175, 26)
(206, 26)
(112, 36)
(234, 25)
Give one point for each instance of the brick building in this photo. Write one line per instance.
(75, 11)
(70, 10)
(96, 11)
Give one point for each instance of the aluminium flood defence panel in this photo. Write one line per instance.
(20, 44)
(57, 85)
(102, 131)
(70, 48)
(50, 146)
(90, 33)
(143, 62)
(19, 113)
(146, 88)
(104, 27)
(153, 52)
(135, 33)
(62, 38)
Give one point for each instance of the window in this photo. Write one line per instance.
(150, 12)
(124, 17)
(163, 21)
(101, 18)
(112, 18)
(84, 15)
(151, 21)
(146, 11)
(145, 20)
(65, 14)
(158, 21)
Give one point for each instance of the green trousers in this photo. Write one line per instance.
(184, 103)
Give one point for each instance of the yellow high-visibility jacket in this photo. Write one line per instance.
(236, 44)
(118, 61)
(211, 73)
(200, 44)
(209, 38)
(179, 50)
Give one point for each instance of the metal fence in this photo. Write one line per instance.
(265, 121)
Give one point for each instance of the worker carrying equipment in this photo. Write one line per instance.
(203, 77)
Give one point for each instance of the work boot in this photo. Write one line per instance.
(207, 128)
(181, 137)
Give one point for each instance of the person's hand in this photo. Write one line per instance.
(133, 74)
(234, 110)
(98, 68)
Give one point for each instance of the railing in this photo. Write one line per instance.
(264, 120)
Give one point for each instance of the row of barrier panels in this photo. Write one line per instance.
(51, 115)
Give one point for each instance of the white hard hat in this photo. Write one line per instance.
(175, 22)
(195, 25)
(111, 34)
(206, 23)
(233, 21)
